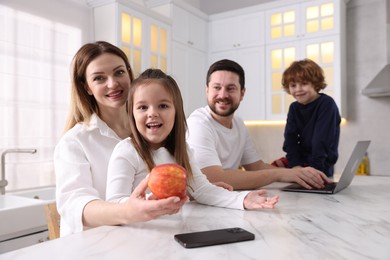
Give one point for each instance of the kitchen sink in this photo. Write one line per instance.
(22, 216)
(47, 194)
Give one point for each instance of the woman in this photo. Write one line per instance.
(101, 77)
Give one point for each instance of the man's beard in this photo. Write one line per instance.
(227, 113)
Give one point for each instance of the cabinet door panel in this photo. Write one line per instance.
(238, 32)
(189, 29)
(198, 33)
(179, 69)
(282, 24)
(221, 34)
(189, 70)
(278, 59)
(252, 106)
(320, 18)
(250, 30)
(180, 25)
(196, 65)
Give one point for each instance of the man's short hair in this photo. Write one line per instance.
(227, 65)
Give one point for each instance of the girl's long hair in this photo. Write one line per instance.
(176, 140)
(83, 105)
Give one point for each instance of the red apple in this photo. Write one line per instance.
(167, 180)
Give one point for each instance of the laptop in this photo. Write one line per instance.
(345, 178)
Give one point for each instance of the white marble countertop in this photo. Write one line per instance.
(352, 224)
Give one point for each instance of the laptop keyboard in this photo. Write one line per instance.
(329, 186)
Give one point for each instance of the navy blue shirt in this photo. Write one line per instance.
(312, 133)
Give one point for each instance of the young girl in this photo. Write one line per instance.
(158, 129)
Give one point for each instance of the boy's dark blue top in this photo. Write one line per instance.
(312, 133)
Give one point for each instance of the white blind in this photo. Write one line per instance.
(35, 57)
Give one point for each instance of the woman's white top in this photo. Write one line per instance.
(80, 161)
(127, 169)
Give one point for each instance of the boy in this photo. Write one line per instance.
(312, 132)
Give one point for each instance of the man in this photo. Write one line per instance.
(221, 142)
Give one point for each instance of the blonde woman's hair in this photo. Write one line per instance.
(83, 105)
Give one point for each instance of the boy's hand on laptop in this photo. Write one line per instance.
(307, 177)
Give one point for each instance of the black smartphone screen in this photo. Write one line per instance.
(214, 237)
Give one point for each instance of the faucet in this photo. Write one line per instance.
(3, 181)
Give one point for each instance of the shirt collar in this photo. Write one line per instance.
(96, 122)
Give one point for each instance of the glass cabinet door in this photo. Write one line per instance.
(158, 47)
(309, 19)
(320, 17)
(131, 40)
(279, 57)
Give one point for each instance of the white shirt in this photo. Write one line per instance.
(126, 170)
(216, 145)
(80, 161)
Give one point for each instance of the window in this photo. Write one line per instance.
(35, 57)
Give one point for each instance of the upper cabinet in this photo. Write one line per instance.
(237, 32)
(188, 28)
(305, 20)
(144, 39)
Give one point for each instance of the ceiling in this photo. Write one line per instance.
(217, 6)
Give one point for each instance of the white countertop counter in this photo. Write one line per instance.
(352, 224)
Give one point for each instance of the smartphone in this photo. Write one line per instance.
(214, 237)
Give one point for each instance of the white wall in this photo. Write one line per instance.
(368, 118)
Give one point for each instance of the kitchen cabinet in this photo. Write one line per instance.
(241, 39)
(252, 60)
(302, 20)
(237, 32)
(24, 241)
(159, 47)
(189, 70)
(189, 55)
(311, 30)
(143, 35)
(188, 28)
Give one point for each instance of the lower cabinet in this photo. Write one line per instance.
(23, 241)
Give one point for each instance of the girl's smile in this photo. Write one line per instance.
(154, 113)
